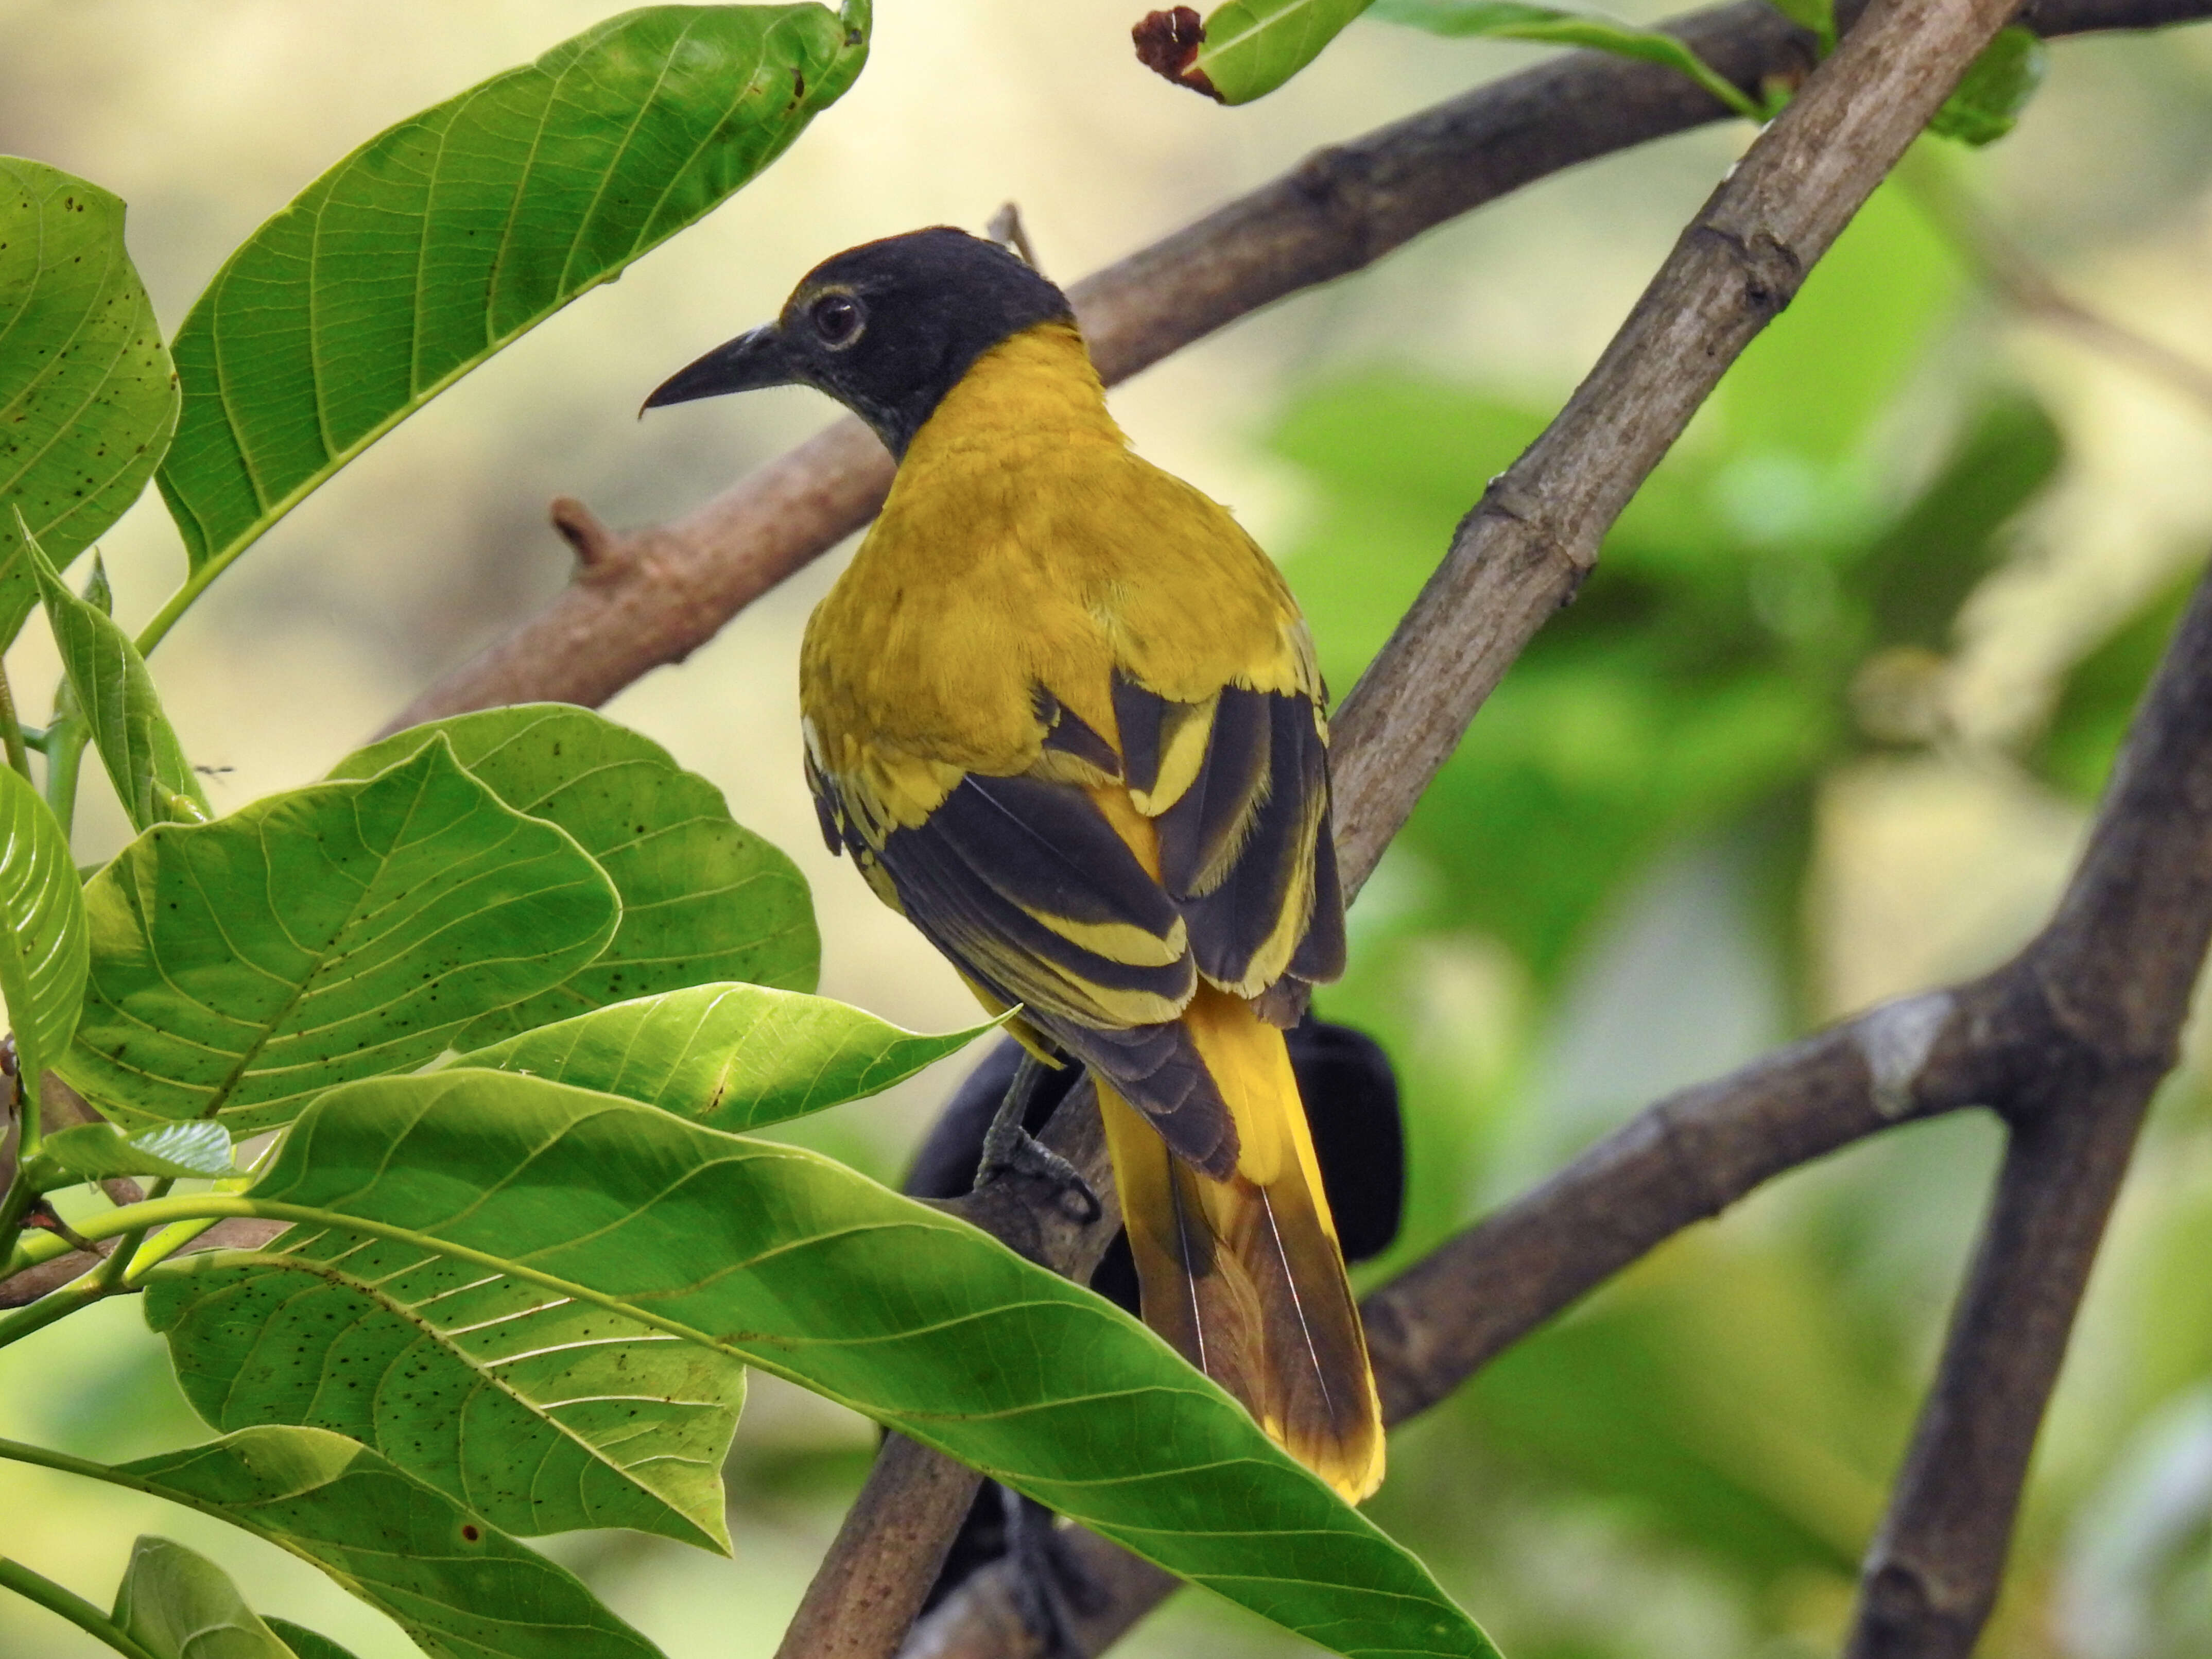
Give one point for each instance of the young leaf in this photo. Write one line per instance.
(179, 1605)
(459, 1587)
(43, 957)
(94, 1152)
(541, 1414)
(781, 1258)
(702, 899)
(732, 1057)
(1509, 20)
(304, 1643)
(1996, 88)
(1249, 47)
(446, 237)
(1818, 16)
(108, 679)
(333, 932)
(87, 399)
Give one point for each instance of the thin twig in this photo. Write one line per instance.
(653, 596)
(2025, 285)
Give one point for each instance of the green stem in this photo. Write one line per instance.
(68, 1605)
(12, 729)
(21, 1195)
(113, 1270)
(57, 1305)
(65, 740)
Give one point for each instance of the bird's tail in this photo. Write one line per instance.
(1243, 1277)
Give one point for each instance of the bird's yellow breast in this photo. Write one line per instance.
(1023, 547)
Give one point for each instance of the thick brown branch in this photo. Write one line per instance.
(649, 597)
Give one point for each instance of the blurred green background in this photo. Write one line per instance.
(1823, 728)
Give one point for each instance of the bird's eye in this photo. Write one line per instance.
(837, 318)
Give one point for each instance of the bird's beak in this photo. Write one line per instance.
(753, 360)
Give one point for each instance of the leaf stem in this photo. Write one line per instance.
(119, 1264)
(67, 1604)
(66, 737)
(57, 1305)
(12, 729)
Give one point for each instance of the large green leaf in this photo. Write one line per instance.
(87, 399)
(111, 685)
(444, 238)
(702, 899)
(43, 957)
(732, 1057)
(178, 1604)
(541, 1414)
(329, 932)
(784, 1259)
(458, 1585)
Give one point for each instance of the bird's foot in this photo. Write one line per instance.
(1010, 1149)
(1020, 1152)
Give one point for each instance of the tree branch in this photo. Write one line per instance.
(892, 1542)
(649, 597)
(2068, 1040)
(1515, 559)
(2114, 975)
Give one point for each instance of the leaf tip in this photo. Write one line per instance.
(1167, 44)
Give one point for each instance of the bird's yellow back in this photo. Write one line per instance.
(1024, 546)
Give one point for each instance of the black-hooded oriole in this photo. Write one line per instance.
(1064, 716)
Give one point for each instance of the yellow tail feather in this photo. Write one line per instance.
(1243, 1277)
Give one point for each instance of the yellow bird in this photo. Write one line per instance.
(1064, 714)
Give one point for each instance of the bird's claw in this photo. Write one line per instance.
(1022, 1153)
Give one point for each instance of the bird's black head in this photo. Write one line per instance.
(887, 329)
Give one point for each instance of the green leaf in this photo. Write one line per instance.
(732, 1057)
(94, 1152)
(1253, 46)
(541, 1414)
(43, 957)
(305, 1643)
(781, 1258)
(153, 780)
(1508, 20)
(334, 931)
(702, 899)
(459, 1587)
(2076, 750)
(87, 399)
(1994, 89)
(444, 238)
(179, 1605)
(1819, 17)
(1920, 571)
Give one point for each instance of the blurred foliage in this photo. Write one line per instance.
(1777, 605)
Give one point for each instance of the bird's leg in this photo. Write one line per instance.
(1008, 1145)
(1049, 1585)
